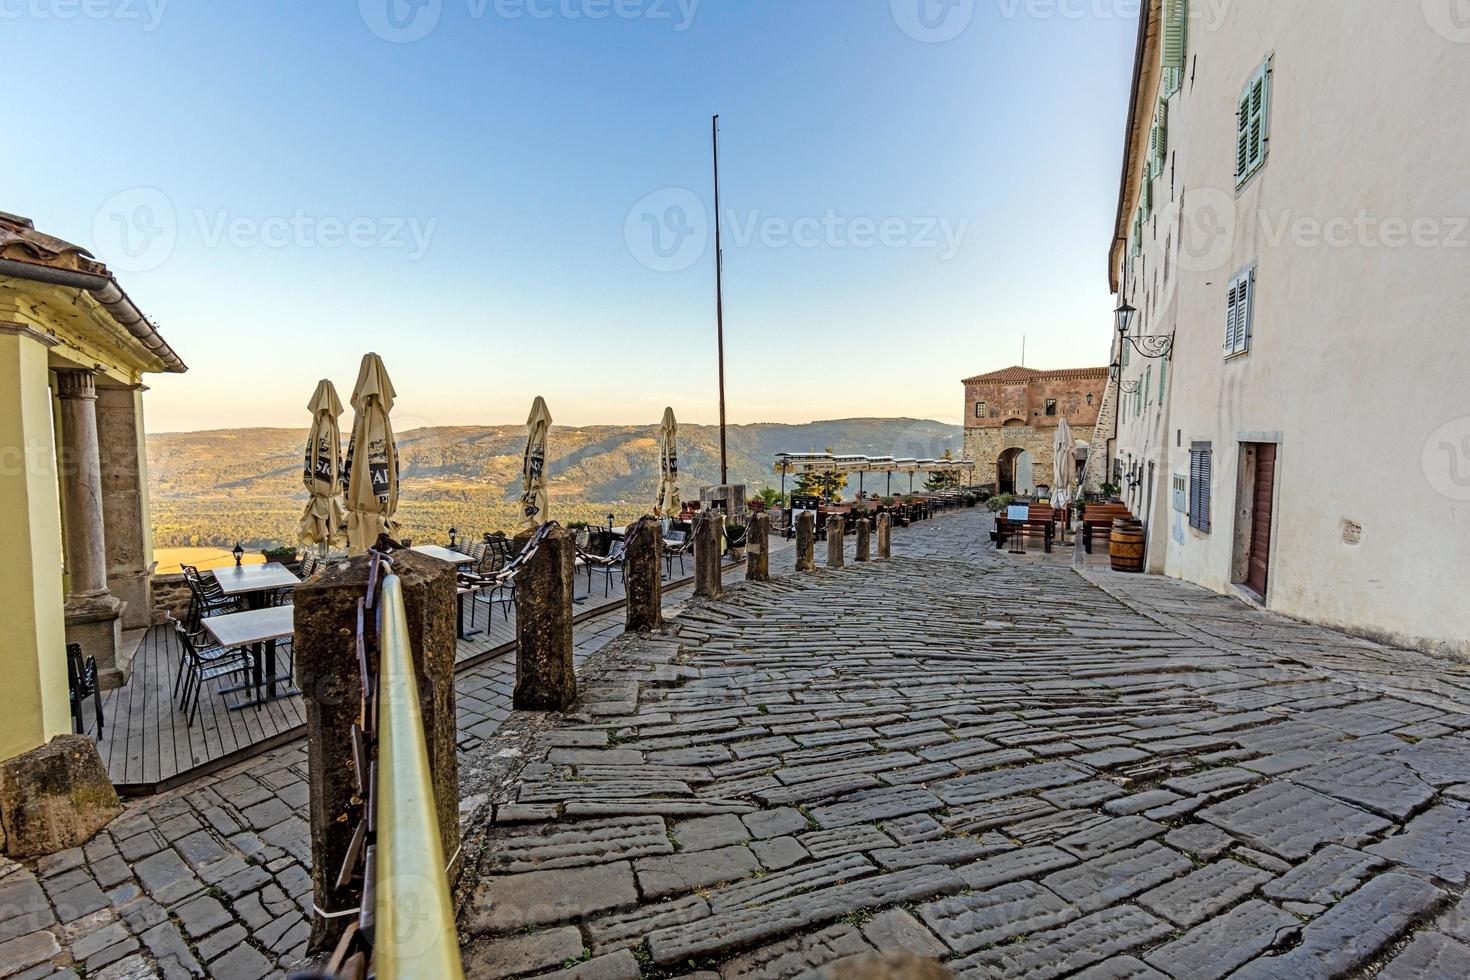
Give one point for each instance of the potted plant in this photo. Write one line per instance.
(283, 554)
(735, 540)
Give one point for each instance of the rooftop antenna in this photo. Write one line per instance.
(1023, 350)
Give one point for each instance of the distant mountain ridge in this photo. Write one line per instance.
(217, 486)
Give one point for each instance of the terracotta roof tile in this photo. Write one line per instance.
(1018, 373)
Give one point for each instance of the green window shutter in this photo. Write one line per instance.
(1163, 373)
(1160, 137)
(1146, 197)
(1176, 32)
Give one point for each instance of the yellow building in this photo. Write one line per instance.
(73, 475)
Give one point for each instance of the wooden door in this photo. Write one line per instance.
(1259, 563)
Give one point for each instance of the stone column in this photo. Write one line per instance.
(885, 535)
(93, 613)
(125, 502)
(806, 542)
(643, 577)
(546, 678)
(709, 540)
(327, 670)
(32, 628)
(758, 548)
(834, 541)
(864, 539)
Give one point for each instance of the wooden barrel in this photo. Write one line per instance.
(1125, 547)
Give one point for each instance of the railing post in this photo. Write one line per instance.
(327, 671)
(864, 538)
(885, 536)
(806, 542)
(642, 576)
(758, 548)
(709, 543)
(546, 679)
(834, 541)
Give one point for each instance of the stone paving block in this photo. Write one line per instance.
(1136, 803)
(999, 813)
(240, 963)
(821, 844)
(816, 790)
(1326, 876)
(511, 902)
(1109, 836)
(28, 950)
(896, 929)
(1068, 948)
(1429, 957)
(166, 877)
(1352, 932)
(627, 929)
(1008, 782)
(985, 918)
(1054, 825)
(1026, 862)
(1382, 786)
(874, 805)
(742, 927)
(1438, 761)
(1121, 968)
(798, 956)
(1211, 780)
(950, 850)
(778, 852)
(1215, 949)
(619, 965)
(708, 833)
(516, 955)
(913, 828)
(675, 873)
(1437, 841)
(1189, 900)
(774, 823)
(1291, 821)
(1117, 875)
(24, 907)
(760, 891)
(1201, 839)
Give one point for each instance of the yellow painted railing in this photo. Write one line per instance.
(415, 928)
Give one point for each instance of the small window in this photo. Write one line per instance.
(1201, 467)
(1253, 125)
(1240, 312)
(1148, 385)
(1051, 406)
(979, 410)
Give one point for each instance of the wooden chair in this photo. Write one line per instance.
(1098, 519)
(81, 682)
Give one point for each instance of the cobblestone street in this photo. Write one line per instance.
(999, 763)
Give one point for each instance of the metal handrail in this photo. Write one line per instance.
(415, 932)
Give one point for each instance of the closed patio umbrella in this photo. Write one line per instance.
(321, 524)
(1064, 466)
(668, 466)
(370, 474)
(534, 500)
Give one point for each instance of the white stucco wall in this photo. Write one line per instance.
(1360, 357)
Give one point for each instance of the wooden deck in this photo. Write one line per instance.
(148, 748)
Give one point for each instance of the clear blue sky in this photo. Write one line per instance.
(281, 188)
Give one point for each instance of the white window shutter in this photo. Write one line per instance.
(1245, 319)
(1243, 141)
(1230, 318)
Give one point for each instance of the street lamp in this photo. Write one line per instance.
(453, 538)
(1123, 317)
(239, 553)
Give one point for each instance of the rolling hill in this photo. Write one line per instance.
(220, 486)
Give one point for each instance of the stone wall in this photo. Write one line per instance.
(170, 594)
(1010, 409)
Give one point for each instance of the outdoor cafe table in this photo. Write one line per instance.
(256, 628)
(457, 559)
(255, 582)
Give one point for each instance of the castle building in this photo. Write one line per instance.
(1011, 419)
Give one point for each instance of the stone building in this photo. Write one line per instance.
(1292, 424)
(1011, 419)
(74, 350)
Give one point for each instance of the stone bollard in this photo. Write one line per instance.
(885, 535)
(864, 539)
(327, 669)
(709, 542)
(758, 548)
(546, 679)
(806, 542)
(643, 577)
(835, 541)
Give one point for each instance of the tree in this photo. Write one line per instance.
(823, 484)
(943, 479)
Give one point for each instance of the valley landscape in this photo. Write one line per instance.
(214, 488)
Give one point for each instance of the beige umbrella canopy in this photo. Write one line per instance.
(668, 466)
(371, 472)
(534, 499)
(1064, 465)
(321, 524)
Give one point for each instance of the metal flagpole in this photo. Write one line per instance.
(720, 302)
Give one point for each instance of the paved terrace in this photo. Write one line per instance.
(994, 762)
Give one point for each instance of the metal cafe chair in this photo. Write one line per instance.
(81, 682)
(204, 661)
